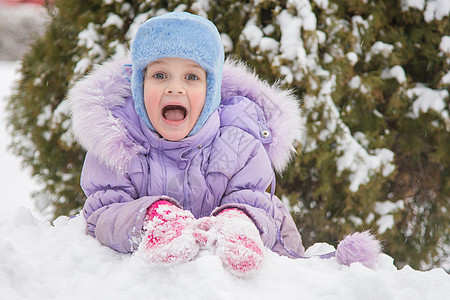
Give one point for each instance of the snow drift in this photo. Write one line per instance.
(43, 261)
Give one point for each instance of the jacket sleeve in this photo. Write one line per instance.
(246, 190)
(113, 211)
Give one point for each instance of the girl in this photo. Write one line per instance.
(181, 153)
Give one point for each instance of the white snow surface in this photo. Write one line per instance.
(59, 261)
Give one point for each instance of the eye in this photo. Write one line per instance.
(159, 76)
(192, 77)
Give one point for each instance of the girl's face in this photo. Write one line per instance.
(174, 95)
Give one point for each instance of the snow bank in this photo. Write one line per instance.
(41, 261)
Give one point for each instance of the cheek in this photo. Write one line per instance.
(198, 101)
(151, 100)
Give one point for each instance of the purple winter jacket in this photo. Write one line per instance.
(227, 164)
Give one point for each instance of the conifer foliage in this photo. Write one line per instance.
(374, 81)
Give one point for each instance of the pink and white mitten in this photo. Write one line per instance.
(168, 236)
(239, 244)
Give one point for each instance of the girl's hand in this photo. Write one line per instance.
(168, 236)
(233, 236)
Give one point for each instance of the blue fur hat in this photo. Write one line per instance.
(182, 35)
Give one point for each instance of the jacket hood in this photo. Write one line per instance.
(93, 99)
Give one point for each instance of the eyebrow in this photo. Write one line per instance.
(188, 64)
(193, 65)
(156, 62)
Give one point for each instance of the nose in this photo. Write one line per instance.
(175, 87)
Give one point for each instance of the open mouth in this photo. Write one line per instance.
(174, 112)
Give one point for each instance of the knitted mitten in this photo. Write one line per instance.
(168, 236)
(239, 244)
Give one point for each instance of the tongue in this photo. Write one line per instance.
(174, 114)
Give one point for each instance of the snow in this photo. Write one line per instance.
(269, 45)
(297, 57)
(361, 163)
(323, 4)
(16, 183)
(396, 72)
(41, 261)
(427, 99)
(359, 26)
(90, 39)
(355, 82)
(352, 156)
(380, 48)
(137, 21)
(291, 47)
(444, 45)
(385, 210)
(252, 33)
(59, 261)
(434, 9)
(60, 117)
(113, 20)
(227, 42)
(352, 57)
(417, 4)
(446, 78)
(309, 21)
(44, 116)
(201, 7)
(387, 207)
(18, 25)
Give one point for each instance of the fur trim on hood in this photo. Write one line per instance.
(93, 97)
(281, 109)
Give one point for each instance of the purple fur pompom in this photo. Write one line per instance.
(360, 247)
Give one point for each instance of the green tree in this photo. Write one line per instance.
(374, 82)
